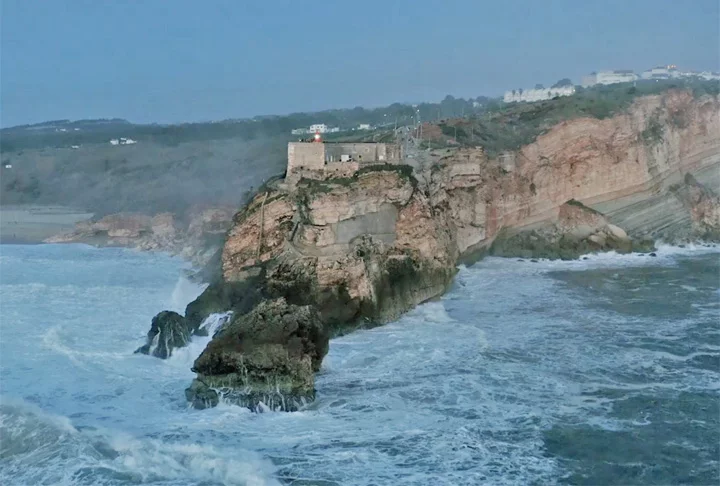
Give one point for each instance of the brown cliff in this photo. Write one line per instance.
(195, 235)
(361, 250)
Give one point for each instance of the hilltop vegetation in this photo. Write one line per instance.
(510, 126)
(175, 166)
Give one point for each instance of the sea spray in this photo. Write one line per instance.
(186, 356)
(185, 291)
(495, 383)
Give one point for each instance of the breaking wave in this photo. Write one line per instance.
(39, 448)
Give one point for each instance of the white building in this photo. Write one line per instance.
(707, 75)
(319, 128)
(75, 147)
(659, 72)
(364, 126)
(610, 77)
(531, 95)
(122, 141)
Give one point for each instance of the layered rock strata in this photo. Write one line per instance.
(342, 252)
(196, 235)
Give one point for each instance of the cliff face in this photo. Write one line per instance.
(195, 235)
(363, 249)
(626, 167)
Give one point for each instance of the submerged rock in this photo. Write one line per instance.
(169, 330)
(265, 358)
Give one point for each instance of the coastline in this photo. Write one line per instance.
(32, 224)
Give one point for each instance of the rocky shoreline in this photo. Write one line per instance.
(196, 235)
(319, 256)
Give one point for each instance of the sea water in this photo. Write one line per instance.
(596, 371)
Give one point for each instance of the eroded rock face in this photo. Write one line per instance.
(196, 235)
(610, 165)
(169, 330)
(265, 358)
(579, 230)
(322, 256)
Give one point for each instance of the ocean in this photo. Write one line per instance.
(599, 371)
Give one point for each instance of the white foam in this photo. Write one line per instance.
(185, 357)
(185, 291)
(59, 452)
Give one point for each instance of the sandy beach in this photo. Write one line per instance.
(33, 224)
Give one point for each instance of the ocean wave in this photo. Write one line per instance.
(41, 448)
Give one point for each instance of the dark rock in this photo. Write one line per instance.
(169, 330)
(585, 258)
(267, 356)
(238, 297)
(653, 254)
(534, 261)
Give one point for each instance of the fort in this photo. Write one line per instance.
(323, 158)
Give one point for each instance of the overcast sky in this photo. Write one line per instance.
(192, 60)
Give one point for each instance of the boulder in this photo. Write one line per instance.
(169, 330)
(266, 358)
(616, 232)
(598, 239)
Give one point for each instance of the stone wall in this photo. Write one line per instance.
(340, 158)
(307, 155)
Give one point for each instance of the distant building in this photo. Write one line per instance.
(319, 128)
(122, 141)
(659, 72)
(75, 147)
(609, 77)
(364, 126)
(708, 76)
(8, 166)
(531, 95)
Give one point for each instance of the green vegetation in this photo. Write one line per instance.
(654, 130)
(576, 203)
(314, 186)
(510, 126)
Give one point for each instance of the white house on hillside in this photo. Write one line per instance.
(609, 77)
(530, 95)
(319, 128)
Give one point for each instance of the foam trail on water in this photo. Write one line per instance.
(186, 356)
(41, 448)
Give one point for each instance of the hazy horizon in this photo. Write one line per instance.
(147, 63)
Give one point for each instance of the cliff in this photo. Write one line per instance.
(196, 235)
(333, 253)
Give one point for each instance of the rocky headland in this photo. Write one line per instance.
(196, 235)
(323, 254)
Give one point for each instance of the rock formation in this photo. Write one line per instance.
(196, 235)
(321, 256)
(268, 356)
(169, 330)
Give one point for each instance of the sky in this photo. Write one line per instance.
(170, 61)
